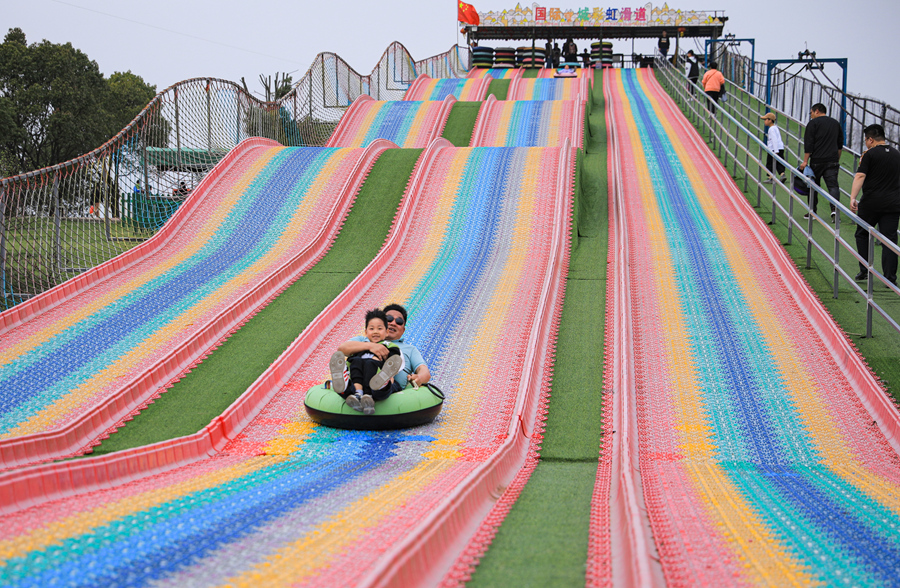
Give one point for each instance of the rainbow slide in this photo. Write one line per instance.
(529, 123)
(478, 253)
(408, 124)
(425, 88)
(496, 73)
(79, 360)
(752, 445)
(577, 89)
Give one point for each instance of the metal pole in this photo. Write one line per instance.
(3, 242)
(57, 221)
(209, 114)
(177, 132)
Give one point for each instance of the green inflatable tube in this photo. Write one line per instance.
(408, 408)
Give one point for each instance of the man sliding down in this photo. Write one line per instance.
(412, 369)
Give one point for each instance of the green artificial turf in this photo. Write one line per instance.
(544, 539)
(461, 123)
(217, 382)
(499, 88)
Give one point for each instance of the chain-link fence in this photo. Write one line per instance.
(60, 221)
(794, 94)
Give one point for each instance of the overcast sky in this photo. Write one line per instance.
(167, 41)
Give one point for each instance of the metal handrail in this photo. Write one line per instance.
(749, 148)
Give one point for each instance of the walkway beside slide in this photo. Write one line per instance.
(90, 352)
(765, 451)
(476, 254)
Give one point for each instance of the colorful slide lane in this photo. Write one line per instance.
(577, 89)
(478, 253)
(408, 124)
(766, 451)
(496, 73)
(425, 88)
(77, 360)
(529, 123)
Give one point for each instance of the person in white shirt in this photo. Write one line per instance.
(775, 144)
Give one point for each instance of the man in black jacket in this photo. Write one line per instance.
(879, 178)
(823, 143)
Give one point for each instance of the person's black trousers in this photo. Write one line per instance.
(887, 225)
(829, 171)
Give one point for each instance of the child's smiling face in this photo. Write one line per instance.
(376, 330)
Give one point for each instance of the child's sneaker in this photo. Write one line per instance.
(368, 404)
(338, 367)
(355, 401)
(391, 368)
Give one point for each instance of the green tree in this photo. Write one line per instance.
(128, 95)
(54, 95)
(56, 105)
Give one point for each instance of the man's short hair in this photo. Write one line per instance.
(819, 107)
(396, 307)
(713, 65)
(874, 132)
(690, 52)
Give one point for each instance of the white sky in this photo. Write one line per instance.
(166, 41)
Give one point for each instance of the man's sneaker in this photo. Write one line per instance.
(368, 404)
(338, 367)
(833, 214)
(805, 217)
(861, 276)
(768, 180)
(390, 369)
(355, 401)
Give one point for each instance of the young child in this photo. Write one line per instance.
(773, 142)
(369, 376)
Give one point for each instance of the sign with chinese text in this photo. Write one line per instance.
(647, 15)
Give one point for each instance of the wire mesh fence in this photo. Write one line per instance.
(794, 94)
(60, 221)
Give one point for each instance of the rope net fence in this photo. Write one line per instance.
(58, 222)
(794, 94)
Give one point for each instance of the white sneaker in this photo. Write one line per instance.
(390, 369)
(368, 404)
(337, 365)
(355, 401)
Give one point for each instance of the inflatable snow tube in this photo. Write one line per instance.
(408, 408)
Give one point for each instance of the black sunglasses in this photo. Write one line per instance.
(392, 319)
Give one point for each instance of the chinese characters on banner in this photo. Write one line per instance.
(537, 15)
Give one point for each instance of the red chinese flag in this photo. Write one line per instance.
(467, 14)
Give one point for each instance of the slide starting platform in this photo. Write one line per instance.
(750, 444)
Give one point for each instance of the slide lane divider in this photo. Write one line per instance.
(347, 126)
(633, 560)
(79, 435)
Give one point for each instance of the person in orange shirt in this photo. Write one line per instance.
(713, 84)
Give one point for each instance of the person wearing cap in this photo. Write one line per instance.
(775, 145)
(878, 176)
